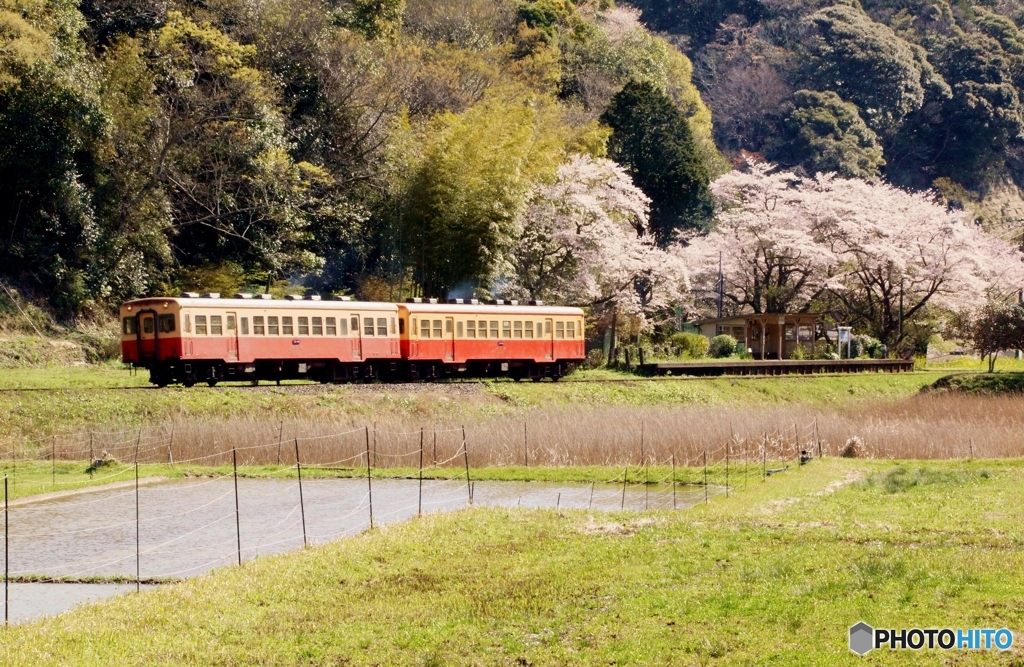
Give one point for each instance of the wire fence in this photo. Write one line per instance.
(154, 534)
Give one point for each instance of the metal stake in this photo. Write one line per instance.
(465, 453)
(302, 503)
(625, 474)
(7, 556)
(369, 483)
(138, 579)
(280, 433)
(705, 476)
(238, 522)
(673, 481)
(420, 510)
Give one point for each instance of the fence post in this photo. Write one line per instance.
(465, 453)
(727, 470)
(673, 480)
(238, 523)
(369, 483)
(280, 433)
(375, 459)
(641, 442)
(91, 459)
(591, 504)
(705, 476)
(170, 446)
(435, 445)
(625, 475)
(526, 449)
(302, 502)
(970, 443)
(53, 462)
(7, 557)
(647, 487)
(419, 511)
(138, 578)
(817, 437)
(764, 457)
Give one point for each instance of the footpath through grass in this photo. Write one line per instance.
(773, 575)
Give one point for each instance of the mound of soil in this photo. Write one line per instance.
(979, 383)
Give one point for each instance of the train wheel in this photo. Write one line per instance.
(188, 382)
(212, 383)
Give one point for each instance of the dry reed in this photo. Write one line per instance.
(924, 427)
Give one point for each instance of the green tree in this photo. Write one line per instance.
(822, 133)
(651, 138)
(471, 184)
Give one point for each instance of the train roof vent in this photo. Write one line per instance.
(265, 296)
(243, 295)
(474, 301)
(293, 297)
(212, 295)
(513, 302)
(342, 298)
(190, 295)
(457, 301)
(536, 302)
(497, 302)
(414, 299)
(315, 297)
(431, 300)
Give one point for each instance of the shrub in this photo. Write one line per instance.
(722, 346)
(866, 346)
(692, 344)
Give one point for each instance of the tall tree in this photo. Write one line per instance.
(652, 140)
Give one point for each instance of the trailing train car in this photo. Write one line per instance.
(468, 339)
(208, 339)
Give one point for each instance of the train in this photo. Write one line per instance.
(196, 338)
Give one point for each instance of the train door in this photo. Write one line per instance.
(449, 338)
(357, 336)
(232, 336)
(549, 339)
(147, 335)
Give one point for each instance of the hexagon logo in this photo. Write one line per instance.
(862, 638)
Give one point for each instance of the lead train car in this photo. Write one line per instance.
(453, 340)
(210, 339)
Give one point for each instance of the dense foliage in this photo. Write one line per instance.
(377, 147)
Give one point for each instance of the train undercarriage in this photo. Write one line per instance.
(189, 373)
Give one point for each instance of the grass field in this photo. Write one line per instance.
(773, 575)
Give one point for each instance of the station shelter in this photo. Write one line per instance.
(766, 335)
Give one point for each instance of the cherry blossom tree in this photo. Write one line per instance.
(881, 254)
(585, 240)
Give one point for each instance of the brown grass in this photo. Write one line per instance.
(924, 427)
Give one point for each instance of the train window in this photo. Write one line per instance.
(272, 325)
(318, 326)
(412, 327)
(166, 323)
(506, 329)
(367, 326)
(382, 326)
(332, 327)
(424, 328)
(130, 325)
(448, 325)
(517, 329)
(216, 325)
(458, 329)
(245, 326)
(401, 326)
(547, 327)
(437, 328)
(529, 330)
(257, 325)
(188, 324)
(471, 329)
(393, 331)
(494, 328)
(559, 330)
(147, 324)
(570, 330)
(200, 325)
(287, 329)
(342, 326)
(231, 322)
(354, 323)
(303, 326)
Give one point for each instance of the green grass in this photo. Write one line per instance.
(980, 383)
(84, 396)
(972, 363)
(773, 575)
(30, 478)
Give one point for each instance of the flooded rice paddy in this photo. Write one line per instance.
(186, 528)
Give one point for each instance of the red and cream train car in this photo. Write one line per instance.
(208, 339)
(475, 340)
